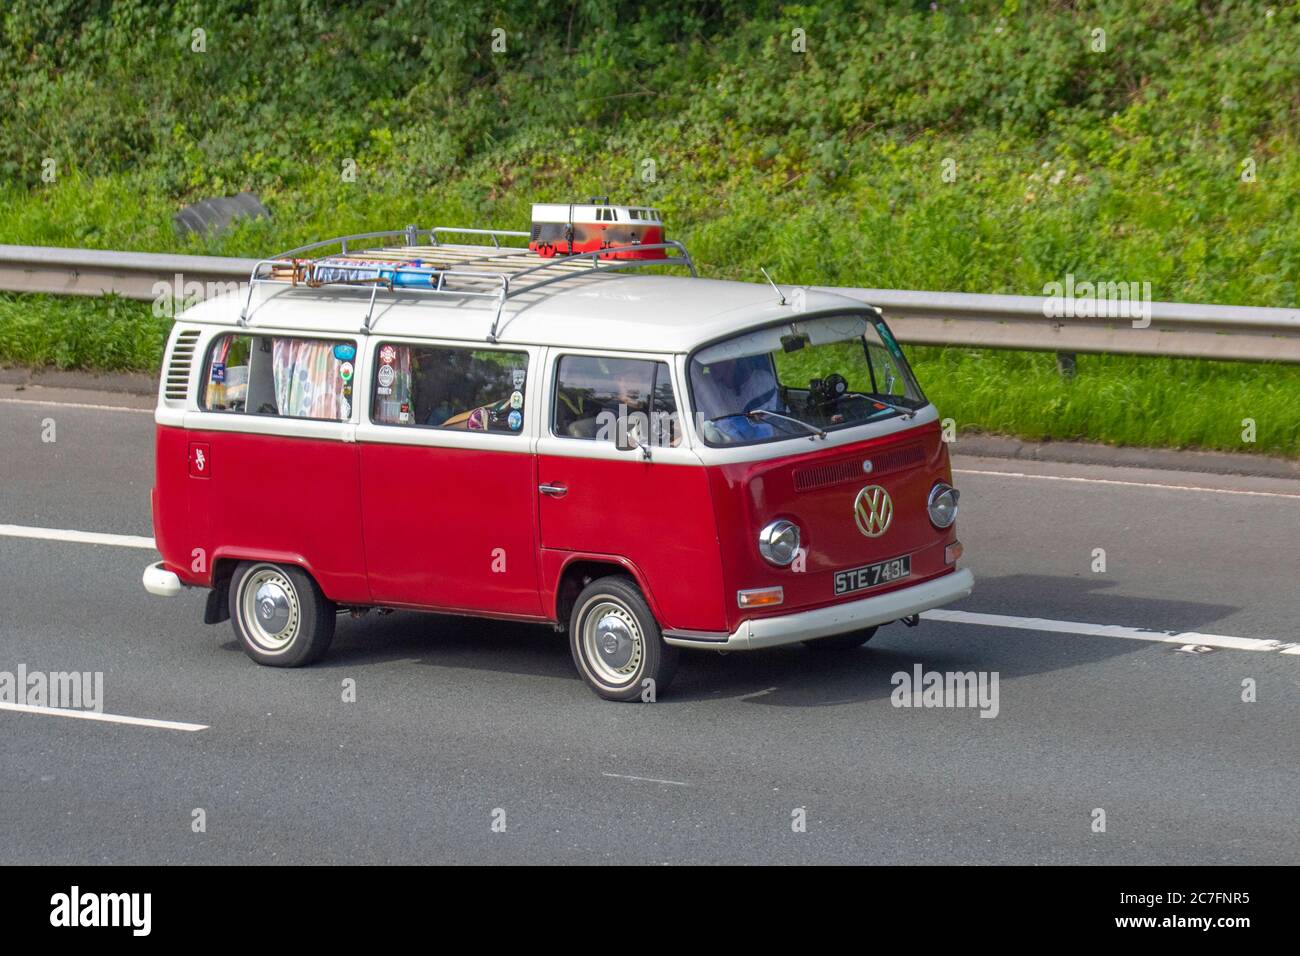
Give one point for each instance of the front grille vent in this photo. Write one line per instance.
(836, 472)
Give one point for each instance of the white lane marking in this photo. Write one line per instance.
(624, 776)
(106, 718)
(1111, 630)
(1129, 484)
(954, 617)
(77, 537)
(97, 408)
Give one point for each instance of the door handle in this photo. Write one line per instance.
(555, 491)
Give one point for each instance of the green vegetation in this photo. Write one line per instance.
(1119, 399)
(109, 333)
(827, 166)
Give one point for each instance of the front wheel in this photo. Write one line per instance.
(616, 643)
(842, 642)
(279, 614)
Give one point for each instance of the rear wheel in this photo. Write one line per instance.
(616, 643)
(279, 614)
(842, 642)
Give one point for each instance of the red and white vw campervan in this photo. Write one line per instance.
(654, 462)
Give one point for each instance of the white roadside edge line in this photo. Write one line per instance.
(97, 408)
(626, 776)
(77, 537)
(106, 718)
(1127, 484)
(1111, 630)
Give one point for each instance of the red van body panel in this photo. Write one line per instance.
(657, 517)
(555, 563)
(462, 530)
(266, 497)
(817, 491)
(451, 528)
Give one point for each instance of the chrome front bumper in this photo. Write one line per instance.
(835, 619)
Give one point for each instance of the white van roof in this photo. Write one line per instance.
(606, 310)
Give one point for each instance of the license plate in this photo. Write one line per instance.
(882, 572)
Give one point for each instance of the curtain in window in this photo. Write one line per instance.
(307, 379)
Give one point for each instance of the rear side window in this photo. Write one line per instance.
(596, 395)
(280, 375)
(459, 388)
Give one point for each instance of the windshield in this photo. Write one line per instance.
(801, 378)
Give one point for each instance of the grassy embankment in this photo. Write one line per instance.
(827, 166)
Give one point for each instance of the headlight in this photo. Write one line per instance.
(942, 505)
(779, 542)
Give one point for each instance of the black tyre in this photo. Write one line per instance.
(842, 642)
(279, 614)
(616, 643)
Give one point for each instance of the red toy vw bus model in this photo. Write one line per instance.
(636, 232)
(649, 461)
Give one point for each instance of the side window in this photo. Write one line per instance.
(460, 388)
(596, 395)
(280, 375)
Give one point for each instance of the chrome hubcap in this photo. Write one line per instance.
(612, 643)
(272, 608)
(271, 613)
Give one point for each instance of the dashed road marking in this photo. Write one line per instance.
(97, 408)
(626, 776)
(1127, 484)
(1111, 630)
(105, 718)
(78, 537)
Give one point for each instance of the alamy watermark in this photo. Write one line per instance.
(951, 689)
(65, 690)
(1098, 300)
(130, 910)
(175, 295)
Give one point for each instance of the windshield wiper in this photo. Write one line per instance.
(764, 413)
(901, 409)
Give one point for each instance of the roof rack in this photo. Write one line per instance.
(477, 271)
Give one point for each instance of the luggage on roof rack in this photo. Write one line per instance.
(616, 232)
(481, 271)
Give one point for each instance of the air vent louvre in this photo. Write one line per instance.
(832, 473)
(178, 368)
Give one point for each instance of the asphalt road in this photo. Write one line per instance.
(456, 720)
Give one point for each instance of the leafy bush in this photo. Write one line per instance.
(827, 165)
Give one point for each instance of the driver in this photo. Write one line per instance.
(733, 386)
